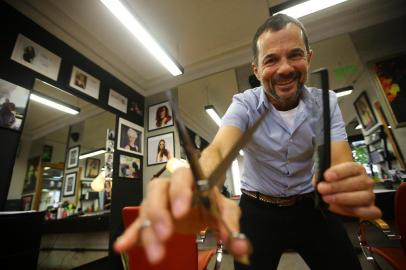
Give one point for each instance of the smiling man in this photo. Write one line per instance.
(277, 202)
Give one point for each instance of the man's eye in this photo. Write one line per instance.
(297, 55)
(270, 61)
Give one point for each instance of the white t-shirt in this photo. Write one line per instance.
(289, 116)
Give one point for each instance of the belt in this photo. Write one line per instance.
(278, 201)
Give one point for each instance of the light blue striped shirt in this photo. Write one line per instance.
(279, 161)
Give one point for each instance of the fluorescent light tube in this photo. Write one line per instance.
(213, 114)
(309, 7)
(135, 27)
(53, 104)
(93, 153)
(343, 93)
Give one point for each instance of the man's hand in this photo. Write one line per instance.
(349, 191)
(168, 207)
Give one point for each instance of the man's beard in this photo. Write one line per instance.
(271, 92)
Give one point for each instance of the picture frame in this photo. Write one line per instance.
(72, 158)
(32, 55)
(84, 82)
(117, 101)
(31, 175)
(365, 112)
(158, 155)
(26, 202)
(92, 167)
(13, 105)
(130, 167)
(69, 185)
(130, 137)
(160, 116)
(391, 77)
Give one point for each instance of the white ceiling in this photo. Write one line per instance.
(205, 36)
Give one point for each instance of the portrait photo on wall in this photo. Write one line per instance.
(13, 105)
(26, 202)
(84, 82)
(391, 74)
(92, 167)
(136, 108)
(108, 169)
(160, 148)
(365, 112)
(31, 175)
(130, 137)
(160, 116)
(70, 184)
(72, 159)
(129, 167)
(32, 55)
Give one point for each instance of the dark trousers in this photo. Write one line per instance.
(319, 237)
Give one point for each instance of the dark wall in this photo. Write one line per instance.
(124, 192)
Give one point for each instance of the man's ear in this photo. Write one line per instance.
(309, 56)
(255, 70)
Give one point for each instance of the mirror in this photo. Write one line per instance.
(41, 178)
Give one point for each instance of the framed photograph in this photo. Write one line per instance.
(130, 137)
(108, 170)
(84, 82)
(129, 167)
(160, 148)
(391, 74)
(72, 160)
(34, 56)
(137, 108)
(31, 175)
(159, 116)
(364, 111)
(70, 184)
(13, 105)
(26, 202)
(92, 167)
(117, 101)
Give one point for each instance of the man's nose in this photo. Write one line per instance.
(285, 67)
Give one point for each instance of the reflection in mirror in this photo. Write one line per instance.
(40, 172)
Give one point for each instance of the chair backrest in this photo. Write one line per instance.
(400, 213)
(181, 250)
(20, 233)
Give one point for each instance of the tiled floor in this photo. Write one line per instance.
(293, 261)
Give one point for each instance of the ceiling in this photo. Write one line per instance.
(205, 36)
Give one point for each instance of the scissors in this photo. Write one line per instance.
(204, 186)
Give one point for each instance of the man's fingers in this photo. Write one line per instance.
(356, 198)
(363, 212)
(129, 238)
(343, 170)
(180, 192)
(356, 183)
(153, 246)
(155, 209)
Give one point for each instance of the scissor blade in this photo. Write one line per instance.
(215, 177)
(190, 150)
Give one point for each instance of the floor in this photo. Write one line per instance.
(293, 261)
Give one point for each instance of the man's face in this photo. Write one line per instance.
(282, 65)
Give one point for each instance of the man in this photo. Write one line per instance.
(277, 207)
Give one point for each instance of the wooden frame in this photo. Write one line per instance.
(156, 157)
(92, 167)
(391, 79)
(365, 112)
(155, 120)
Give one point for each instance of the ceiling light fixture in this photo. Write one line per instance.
(93, 153)
(213, 114)
(344, 91)
(55, 104)
(358, 126)
(304, 8)
(136, 28)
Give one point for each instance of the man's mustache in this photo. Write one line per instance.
(277, 78)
